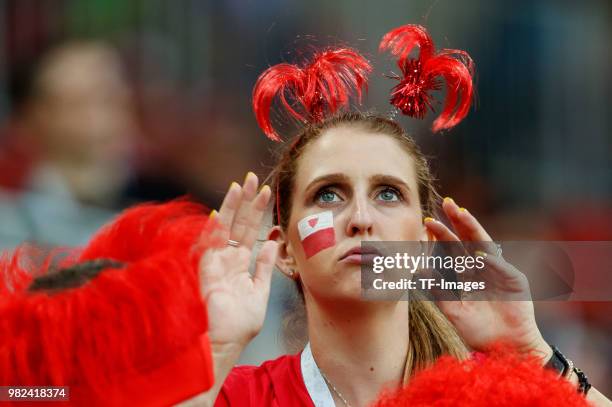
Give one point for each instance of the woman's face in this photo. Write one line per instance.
(368, 182)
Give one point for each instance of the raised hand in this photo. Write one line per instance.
(235, 299)
(504, 310)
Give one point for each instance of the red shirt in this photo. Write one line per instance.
(277, 383)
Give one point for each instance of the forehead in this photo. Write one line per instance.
(356, 152)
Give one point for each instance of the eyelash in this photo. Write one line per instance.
(400, 196)
(328, 189)
(324, 190)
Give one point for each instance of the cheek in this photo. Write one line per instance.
(315, 268)
(408, 226)
(313, 235)
(318, 260)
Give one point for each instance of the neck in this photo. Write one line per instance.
(360, 347)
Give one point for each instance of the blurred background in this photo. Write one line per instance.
(106, 103)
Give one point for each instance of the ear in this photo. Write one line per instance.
(285, 260)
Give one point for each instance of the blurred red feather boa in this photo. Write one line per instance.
(131, 335)
(501, 378)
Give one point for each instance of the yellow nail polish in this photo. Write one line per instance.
(480, 253)
(448, 199)
(250, 173)
(265, 187)
(213, 214)
(234, 184)
(428, 219)
(462, 209)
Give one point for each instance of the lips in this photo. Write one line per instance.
(359, 255)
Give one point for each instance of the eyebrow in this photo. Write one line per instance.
(388, 179)
(331, 178)
(341, 178)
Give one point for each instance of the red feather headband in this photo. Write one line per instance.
(311, 92)
(122, 322)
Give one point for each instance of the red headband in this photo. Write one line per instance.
(135, 334)
(322, 87)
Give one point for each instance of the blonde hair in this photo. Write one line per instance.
(431, 334)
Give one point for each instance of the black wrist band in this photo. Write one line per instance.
(558, 362)
(583, 381)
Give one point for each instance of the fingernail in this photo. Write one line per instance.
(265, 187)
(234, 184)
(250, 173)
(428, 219)
(480, 253)
(213, 214)
(448, 199)
(462, 209)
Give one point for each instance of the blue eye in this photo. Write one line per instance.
(389, 195)
(327, 196)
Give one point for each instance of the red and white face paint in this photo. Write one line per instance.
(317, 232)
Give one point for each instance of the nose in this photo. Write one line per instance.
(360, 220)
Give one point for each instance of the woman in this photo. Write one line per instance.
(372, 183)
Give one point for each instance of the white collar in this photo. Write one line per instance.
(314, 381)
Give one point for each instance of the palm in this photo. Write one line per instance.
(501, 312)
(482, 322)
(234, 302)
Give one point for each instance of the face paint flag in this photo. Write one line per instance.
(317, 232)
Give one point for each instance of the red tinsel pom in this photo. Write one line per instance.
(309, 93)
(420, 76)
(501, 378)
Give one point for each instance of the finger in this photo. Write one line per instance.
(228, 208)
(446, 240)
(258, 208)
(264, 264)
(505, 282)
(440, 231)
(447, 243)
(501, 268)
(242, 219)
(467, 227)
